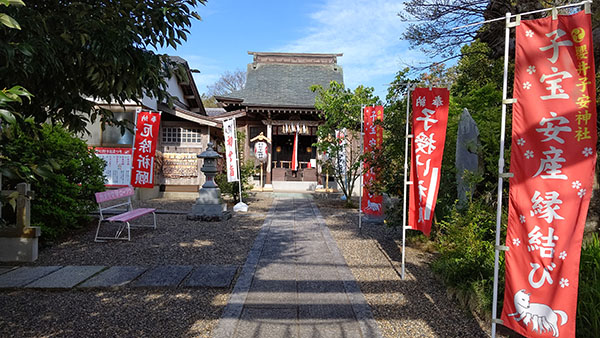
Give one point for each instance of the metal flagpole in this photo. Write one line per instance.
(585, 3)
(137, 111)
(237, 152)
(362, 151)
(501, 174)
(406, 182)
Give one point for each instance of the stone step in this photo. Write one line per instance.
(91, 277)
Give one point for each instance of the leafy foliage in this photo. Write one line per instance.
(246, 171)
(64, 195)
(71, 52)
(466, 260)
(341, 109)
(588, 314)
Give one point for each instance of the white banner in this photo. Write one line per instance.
(230, 150)
(341, 163)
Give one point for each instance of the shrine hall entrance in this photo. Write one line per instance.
(281, 160)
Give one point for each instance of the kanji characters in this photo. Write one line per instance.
(546, 206)
(545, 244)
(551, 130)
(425, 143)
(551, 165)
(554, 80)
(555, 44)
(427, 119)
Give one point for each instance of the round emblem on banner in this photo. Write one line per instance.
(260, 151)
(578, 34)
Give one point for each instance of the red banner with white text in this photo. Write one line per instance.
(430, 117)
(553, 155)
(144, 147)
(372, 203)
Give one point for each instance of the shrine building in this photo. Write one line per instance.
(278, 102)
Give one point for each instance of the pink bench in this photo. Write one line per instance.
(122, 219)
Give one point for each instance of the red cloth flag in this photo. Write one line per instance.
(553, 154)
(294, 164)
(430, 117)
(144, 147)
(372, 203)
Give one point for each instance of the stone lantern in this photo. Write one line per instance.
(208, 206)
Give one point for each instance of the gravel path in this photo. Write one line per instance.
(415, 307)
(130, 312)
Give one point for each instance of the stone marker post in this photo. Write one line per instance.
(19, 243)
(208, 206)
(467, 158)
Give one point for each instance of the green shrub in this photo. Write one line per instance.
(466, 255)
(232, 188)
(64, 196)
(588, 313)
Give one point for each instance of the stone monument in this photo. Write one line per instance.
(467, 158)
(208, 206)
(19, 242)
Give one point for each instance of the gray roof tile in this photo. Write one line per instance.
(275, 84)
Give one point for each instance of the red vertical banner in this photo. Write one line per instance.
(372, 203)
(144, 147)
(430, 118)
(294, 162)
(553, 154)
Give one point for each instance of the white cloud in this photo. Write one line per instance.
(366, 32)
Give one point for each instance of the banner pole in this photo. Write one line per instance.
(500, 174)
(362, 152)
(137, 111)
(237, 153)
(405, 179)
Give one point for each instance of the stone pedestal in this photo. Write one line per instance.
(208, 206)
(19, 243)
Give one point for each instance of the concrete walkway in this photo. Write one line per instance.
(295, 282)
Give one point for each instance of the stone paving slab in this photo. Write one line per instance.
(215, 276)
(268, 323)
(66, 278)
(4, 269)
(163, 276)
(113, 277)
(25, 275)
(301, 285)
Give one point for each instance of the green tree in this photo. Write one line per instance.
(71, 52)
(341, 110)
(64, 196)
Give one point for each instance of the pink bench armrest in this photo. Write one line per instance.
(130, 215)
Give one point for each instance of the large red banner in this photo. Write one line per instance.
(144, 147)
(430, 117)
(553, 154)
(372, 203)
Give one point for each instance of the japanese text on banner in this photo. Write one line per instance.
(553, 155)
(430, 117)
(144, 147)
(372, 203)
(230, 150)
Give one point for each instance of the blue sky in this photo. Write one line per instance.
(366, 32)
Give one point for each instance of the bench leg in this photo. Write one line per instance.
(97, 231)
(123, 226)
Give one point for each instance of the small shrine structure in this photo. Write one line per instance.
(277, 101)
